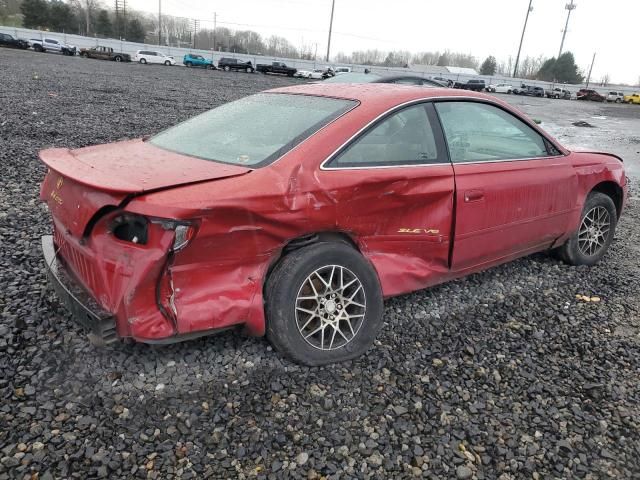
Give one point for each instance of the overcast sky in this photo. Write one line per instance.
(479, 27)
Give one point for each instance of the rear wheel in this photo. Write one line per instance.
(249, 70)
(227, 68)
(618, 100)
(323, 304)
(211, 67)
(118, 58)
(167, 63)
(84, 55)
(597, 226)
(38, 48)
(189, 64)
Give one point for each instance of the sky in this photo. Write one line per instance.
(480, 27)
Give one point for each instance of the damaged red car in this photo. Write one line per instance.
(294, 212)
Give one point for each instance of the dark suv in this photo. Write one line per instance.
(532, 91)
(227, 64)
(588, 94)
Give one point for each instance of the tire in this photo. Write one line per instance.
(38, 48)
(556, 97)
(509, 92)
(84, 55)
(577, 250)
(211, 67)
(227, 68)
(117, 58)
(249, 70)
(143, 61)
(286, 312)
(188, 64)
(167, 63)
(618, 100)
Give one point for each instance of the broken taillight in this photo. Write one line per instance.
(184, 232)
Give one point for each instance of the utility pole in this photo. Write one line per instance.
(215, 20)
(333, 4)
(159, 22)
(593, 60)
(196, 25)
(526, 19)
(570, 7)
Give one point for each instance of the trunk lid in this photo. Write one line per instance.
(81, 182)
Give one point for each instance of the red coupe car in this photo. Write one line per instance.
(294, 212)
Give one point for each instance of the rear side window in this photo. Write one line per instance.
(403, 138)
(481, 132)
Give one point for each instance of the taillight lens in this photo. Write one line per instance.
(184, 234)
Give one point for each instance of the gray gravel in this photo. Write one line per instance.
(505, 374)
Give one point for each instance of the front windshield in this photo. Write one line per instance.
(354, 78)
(254, 130)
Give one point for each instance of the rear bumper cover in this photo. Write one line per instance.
(82, 306)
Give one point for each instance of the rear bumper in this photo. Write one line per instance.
(82, 306)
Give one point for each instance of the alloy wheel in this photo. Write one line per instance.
(594, 231)
(330, 307)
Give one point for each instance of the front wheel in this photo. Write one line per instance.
(323, 304)
(597, 226)
(143, 61)
(227, 68)
(167, 63)
(118, 58)
(249, 70)
(618, 100)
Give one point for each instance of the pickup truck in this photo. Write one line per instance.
(104, 53)
(276, 67)
(476, 85)
(7, 40)
(558, 92)
(51, 45)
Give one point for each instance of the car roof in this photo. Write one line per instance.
(382, 93)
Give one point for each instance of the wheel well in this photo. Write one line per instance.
(614, 191)
(309, 239)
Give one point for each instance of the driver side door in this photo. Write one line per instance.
(514, 190)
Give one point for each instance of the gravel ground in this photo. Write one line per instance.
(504, 374)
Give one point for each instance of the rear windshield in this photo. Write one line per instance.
(252, 131)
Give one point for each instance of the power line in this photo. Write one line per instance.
(333, 5)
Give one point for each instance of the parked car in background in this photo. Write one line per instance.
(228, 64)
(7, 40)
(558, 92)
(617, 97)
(588, 94)
(500, 88)
(633, 98)
(475, 85)
(355, 77)
(152, 56)
(280, 68)
(317, 74)
(532, 91)
(194, 60)
(51, 45)
(104, 53)
(341, 70)
(300, 230)
(445, 81)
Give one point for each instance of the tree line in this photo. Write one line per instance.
(91, 18)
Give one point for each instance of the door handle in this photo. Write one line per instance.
(473, 195)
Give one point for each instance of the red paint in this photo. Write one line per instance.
(418, 226)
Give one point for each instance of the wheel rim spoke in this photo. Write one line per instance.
(331, 296)
(594, 231)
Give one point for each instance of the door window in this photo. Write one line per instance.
(404, 138)
(481, 132)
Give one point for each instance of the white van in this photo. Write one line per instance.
(151, 56)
